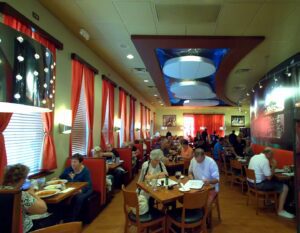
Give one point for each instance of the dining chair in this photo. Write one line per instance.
(186, 165)
(225, 167)
(71, 227)
(144, 222)
(237, 176)
(10, 211)
(252, 190)
(192, 214)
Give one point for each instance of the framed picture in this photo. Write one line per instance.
(169, 120)
(237, 121)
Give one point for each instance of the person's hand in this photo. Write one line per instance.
(206, 181)
(71, 175)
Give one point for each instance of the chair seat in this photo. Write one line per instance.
(151, 215)
(191, 216)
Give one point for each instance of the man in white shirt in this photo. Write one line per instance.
(205, 168)
(261, 164)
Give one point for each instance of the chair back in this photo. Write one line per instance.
(250, 174)
(140, 148)
(10, 211)
(195, 200)
(126, 156)
(130, 201)
(71, 227)
(235, 164)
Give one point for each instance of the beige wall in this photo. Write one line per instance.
(63, 75)
(227, 111)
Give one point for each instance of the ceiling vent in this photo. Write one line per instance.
(150, 86)
(139, 70)
(242, 71)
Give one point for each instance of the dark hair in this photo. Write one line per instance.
(221, 139)
(78, 156)
(185, 142)
(15, 173)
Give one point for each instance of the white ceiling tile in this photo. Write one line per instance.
(170, 29)
(201, 29)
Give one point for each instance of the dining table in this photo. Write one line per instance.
(72, 188)
(164, 195)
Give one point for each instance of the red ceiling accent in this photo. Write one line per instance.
(238, 47)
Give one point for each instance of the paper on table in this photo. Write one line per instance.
(277, 170)
(288, 173)
(67, 190)
(194, 184)
(171, 182)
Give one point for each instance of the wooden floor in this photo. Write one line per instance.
(237, 217)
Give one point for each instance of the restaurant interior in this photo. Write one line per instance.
(149, 116)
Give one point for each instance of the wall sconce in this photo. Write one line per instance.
(222, 128)
(65, 124)
(202, 127)
(117, 125)
(164, 128)
(148, 127)
(137, 126)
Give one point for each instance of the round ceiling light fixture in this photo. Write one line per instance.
(192, 90)
(201, 103)
(189, 67)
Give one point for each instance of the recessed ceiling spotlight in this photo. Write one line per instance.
(155, 95)
(19, 77)
(248, 94)
(130, 56)
(45, 85)
(20, 39)
(17, 96)
(53, 105)
(47, 54)
(260, 86)
(161, 104)
(44, 101)
(46, 70)
(35, 73)
(146, 81)
(0, 40)
(54, 77)
(84, 34)
(51, 81)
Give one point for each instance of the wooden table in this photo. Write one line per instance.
(283, 177)
(62, 196)
(113, 166)
(164, 195)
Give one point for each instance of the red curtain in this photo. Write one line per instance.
(132, 119)
(105, 90)
(77, 75)
(17, 25)
(107, 125)
(89, 91)
(4, 120)
(212, 122)
(122, 116)
(142, 121)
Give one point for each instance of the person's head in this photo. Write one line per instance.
(248, 143)
(97, 151)
(221, 141)
(233, 131)
(199, 155)
(15, 175)
(76, 161)
(268, 152)
(185, 143)
(215, 132)
(125, 145)
(165, 144)
(109, 147)
(155, 157)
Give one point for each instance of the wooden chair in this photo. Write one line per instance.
(216, 204)
(225, 168)
(193, 213)
(71, 227)
(237, 176)
(143, 222)
(10, 211)
(252, 189)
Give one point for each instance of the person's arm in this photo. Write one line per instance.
(191, 175)
(65, 174)
(273, 165)
(33, 204)
(267, 171)
(87, 178)
(215, 176)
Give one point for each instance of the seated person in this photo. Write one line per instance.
(152, 169)
(239, 146)
(261, 164)
(218, 149)
(248, 150)
(34, 209)
(205, 168)
(186, 151)
(77, 172)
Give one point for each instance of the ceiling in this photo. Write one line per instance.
(111, 23)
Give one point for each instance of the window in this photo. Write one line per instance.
(80, 128)
(188, 124)
(24, 137)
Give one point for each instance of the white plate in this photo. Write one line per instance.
(53, 186)
(51, 182)
(47, 193)
(184, 189)
(181, 177)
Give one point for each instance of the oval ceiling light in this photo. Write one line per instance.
(189, 67)
(192, 90)
(201, 103)
(130, 56)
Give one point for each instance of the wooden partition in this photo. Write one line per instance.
(126, 156)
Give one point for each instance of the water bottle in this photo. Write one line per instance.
(167, 181)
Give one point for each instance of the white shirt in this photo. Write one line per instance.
(261, 166)
(208, 169)
(151, 170)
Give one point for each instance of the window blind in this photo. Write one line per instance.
(24, 137)
(80, 128)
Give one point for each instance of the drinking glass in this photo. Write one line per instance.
(177, 175)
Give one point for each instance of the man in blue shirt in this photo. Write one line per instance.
(218, 149)
(77, 172)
